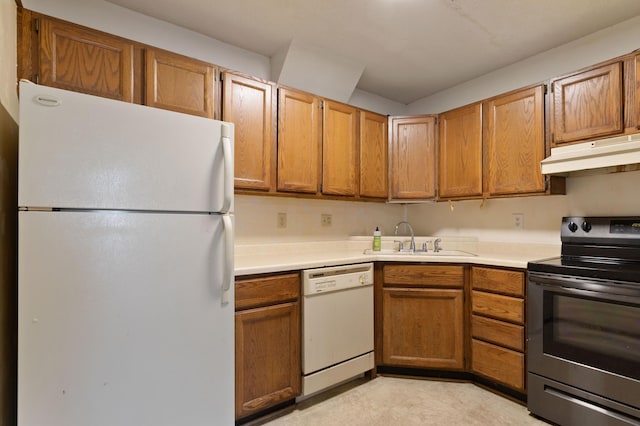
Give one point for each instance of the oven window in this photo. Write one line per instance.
(595, 332)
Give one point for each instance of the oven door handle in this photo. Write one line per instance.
(588, 288)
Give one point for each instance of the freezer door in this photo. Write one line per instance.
(121, 320)
(86, 152)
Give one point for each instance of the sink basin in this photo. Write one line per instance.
(421, 253)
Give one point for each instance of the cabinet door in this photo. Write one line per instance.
(588, 104)
(460, 152)
(339, 149)
(267, 357)
(299, 127)
(249, 105)
(423, 328)
(634, 120)
(514, 142)
(374, 155)
(178, 83)
(413, 157)
(83, 60)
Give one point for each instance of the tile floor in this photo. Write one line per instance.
(391, 401)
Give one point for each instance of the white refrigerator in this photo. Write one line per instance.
(125, 264)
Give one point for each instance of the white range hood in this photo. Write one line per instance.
(610, 152)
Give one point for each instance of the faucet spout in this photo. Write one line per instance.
(412, 246)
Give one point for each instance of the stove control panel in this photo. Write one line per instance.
(585, 230)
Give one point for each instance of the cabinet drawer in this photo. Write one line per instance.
(264, 291)
(423, 275)
(497, 306)
(503, 365)
(498, 281)
(498, 332)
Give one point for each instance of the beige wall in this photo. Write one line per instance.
(256, 219)
(8, 212)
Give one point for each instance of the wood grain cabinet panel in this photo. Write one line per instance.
(265, 291)
(497, 363)
(503, 281)
(515, 142)
(299, 133)
(267, 342)
(499, 332)
(498, 306)
(249, 104)
(633, 86)
(588, 104)
(374, 155)
(339, 149)
(88, 61)
(413, 157)
(460, 152)
(423, 328)
(267, 357)
(421, 275)
(179, 83)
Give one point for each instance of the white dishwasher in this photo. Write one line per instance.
(337, 325)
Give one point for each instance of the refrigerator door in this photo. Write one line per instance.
(82, 151)
(121, 319)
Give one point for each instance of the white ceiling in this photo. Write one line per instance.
(408, 49)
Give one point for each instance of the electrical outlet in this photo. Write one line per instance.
(518, 220)
(326, 219)
(282, 220)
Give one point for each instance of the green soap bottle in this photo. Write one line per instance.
(377, 240)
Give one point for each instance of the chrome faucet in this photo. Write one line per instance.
(412, 246)
(436, 245)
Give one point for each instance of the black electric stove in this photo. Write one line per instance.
(597, 247)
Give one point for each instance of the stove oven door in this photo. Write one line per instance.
(584, 347)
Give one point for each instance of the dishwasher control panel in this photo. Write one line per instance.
(335, 278)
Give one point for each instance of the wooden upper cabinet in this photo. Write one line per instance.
(88, 61)
(460, 152)
(179, 83)
(514, 142)
(588, 104)
(634, 88)
(413, 157)
(374, 155)
(299, 132)
(249, 104)
(339, 149)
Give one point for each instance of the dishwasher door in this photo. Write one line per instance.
(337, 326)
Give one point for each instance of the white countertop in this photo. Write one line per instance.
(277, 257)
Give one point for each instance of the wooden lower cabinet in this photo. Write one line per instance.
(423, 328)
(267, 329)
(423, 316)
(497, 326)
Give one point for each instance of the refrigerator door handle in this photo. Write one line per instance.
(227, 154)
(227, 270)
